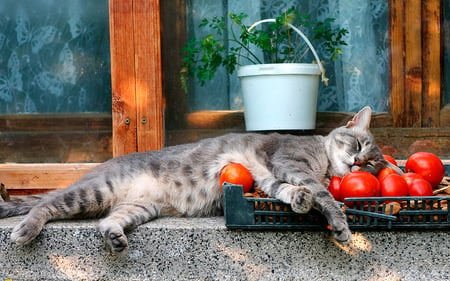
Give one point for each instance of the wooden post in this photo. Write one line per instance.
(397, 60)
(147, 30)
(136, 75)
(431, 21)
(413, 63)
(122, 77)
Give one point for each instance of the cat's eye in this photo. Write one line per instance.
(358, 145)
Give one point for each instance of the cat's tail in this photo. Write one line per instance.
(19, 205)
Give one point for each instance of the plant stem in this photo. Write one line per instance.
(235, 40)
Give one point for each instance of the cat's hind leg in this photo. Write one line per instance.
(30, 226)
(124, 216)
(62, 204)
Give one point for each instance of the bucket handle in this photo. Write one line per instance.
(319, 63)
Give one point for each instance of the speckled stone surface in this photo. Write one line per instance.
(203, 249)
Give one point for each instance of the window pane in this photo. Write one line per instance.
(54, 56)
(55, 82)
(446, 5)
(358, 78)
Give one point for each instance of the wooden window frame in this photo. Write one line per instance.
(415, 62)
(137, 88)
(417, 117)
(137, 100)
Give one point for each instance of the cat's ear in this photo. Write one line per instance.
(361, 119)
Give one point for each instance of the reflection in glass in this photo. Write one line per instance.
(446, 4)
(54, 56)
(357, 79)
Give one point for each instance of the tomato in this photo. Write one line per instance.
(410, 177)
(359, 184)
(393, 185)
(420, 187)
(238, 174)
(390, 159)
(386, 171)
(334, 188)
(428, 165)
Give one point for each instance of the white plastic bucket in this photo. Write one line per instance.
(288, 91)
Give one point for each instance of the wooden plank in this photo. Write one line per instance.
(42, 176)
(229, 119)
(148, 71)
(123, 77)
(432, 55)
(397, 60)
(55, 138)
(55, 122)
(413, 63)
(402, 142)
(215, 119)
(55, 147)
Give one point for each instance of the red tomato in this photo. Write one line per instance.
(410, 177)
(428, 165)
(386, 171)
(394, 185)
(334, 188)
(420, 187)
(390, 159)
(359, 184)
(236, 173)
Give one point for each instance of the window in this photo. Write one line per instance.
(55, 81)
(136, 98)
(55, 91)
(417, 117)
(404, 40)
(358, 78)
(446, 27)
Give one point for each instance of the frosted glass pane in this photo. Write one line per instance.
(54, 56)
(446, 4)
(357, 79)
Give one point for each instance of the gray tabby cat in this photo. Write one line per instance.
(183, 181)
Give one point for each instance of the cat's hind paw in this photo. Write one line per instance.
(115, 239)
(302, 200)
(117, 243)
(25, 231)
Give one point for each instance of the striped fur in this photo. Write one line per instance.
(183, 181)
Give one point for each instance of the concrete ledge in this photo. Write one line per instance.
(203, 249)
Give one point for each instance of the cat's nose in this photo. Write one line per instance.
(360, 161)
(357, 165)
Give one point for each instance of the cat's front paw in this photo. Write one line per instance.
(302, 200)
(341, 232)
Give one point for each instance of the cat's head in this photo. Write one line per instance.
(352, 147)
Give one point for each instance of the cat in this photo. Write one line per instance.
(183, 180)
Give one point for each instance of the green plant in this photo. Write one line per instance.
(227, 48)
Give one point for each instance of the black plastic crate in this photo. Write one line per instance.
(367, 213)
(370, 213)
